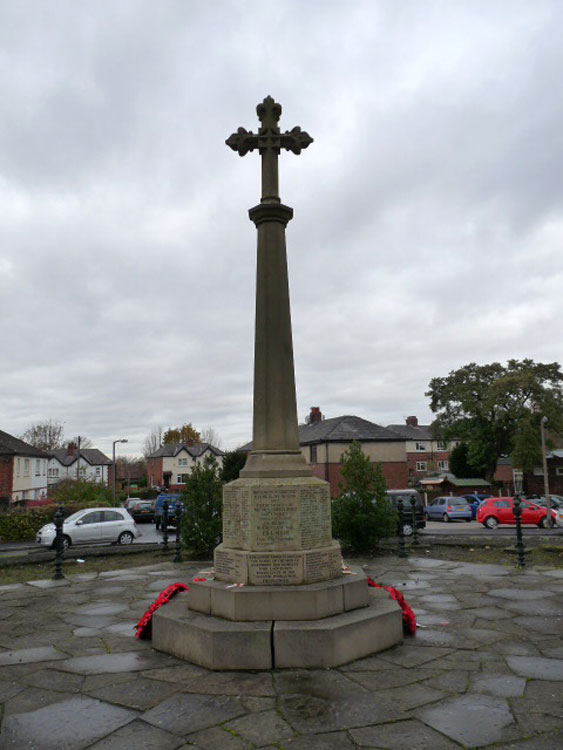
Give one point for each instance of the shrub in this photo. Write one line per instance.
(21, 525)
(200, 528)
(85, 493)
(361, 514)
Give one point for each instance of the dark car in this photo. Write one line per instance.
(172, 499)
(142, 510)
(405, 495)
(474, 501)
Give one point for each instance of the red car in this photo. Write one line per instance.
(495, 510)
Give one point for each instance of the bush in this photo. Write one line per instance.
(201, 524)
(361, 514)
(84, 494)
(22, 524)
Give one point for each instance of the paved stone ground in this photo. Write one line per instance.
(484, 670)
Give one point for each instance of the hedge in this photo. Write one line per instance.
(21, 524)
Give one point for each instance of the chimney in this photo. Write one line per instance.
(71, 448)
(315, 416)
(412, 421)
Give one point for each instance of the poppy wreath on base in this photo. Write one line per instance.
(144, 627)
(409, 620)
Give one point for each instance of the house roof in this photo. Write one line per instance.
(455, 481)
(171, 450)
(91, 455)
(13, 446)
(343, 430)
(412, 432)
(557, 453)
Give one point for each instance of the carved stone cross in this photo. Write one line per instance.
(269, 141)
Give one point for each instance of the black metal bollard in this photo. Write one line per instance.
(414, 524)
(402, 549)
(179, 511)
(59, 544)
(520, 549)
(165, 525)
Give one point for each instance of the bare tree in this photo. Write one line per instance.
(83, 441)
(153, 441)
(47, 436)
(209, 435)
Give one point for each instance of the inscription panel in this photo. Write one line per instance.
(236, 517)
(322, 565)
(275, 570)
(275, 518)
(230, 566)
(315, 517)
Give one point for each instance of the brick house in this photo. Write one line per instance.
(170, 465)
(424, 454)
(323, 441)
(533, 482)
(88, 464)
(23, 471)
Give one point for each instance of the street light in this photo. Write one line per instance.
(548, 519)
(123, 440)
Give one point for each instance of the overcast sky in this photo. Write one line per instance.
(428, 225)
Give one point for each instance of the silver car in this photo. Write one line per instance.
(93, 526)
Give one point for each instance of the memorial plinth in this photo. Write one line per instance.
(278, 596)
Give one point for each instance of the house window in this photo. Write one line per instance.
(53, 473)
(420, 446)
(559, 471)
(82, 470)
(443, 465)
(182, 462)
(98, 470)
(421, 465)
(313, 454)
(26, 467)
(441, 445)
(538, 471)
(37, 467)
(17, 467)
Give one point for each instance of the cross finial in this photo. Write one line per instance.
(269, 141)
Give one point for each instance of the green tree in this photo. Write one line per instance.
(459, 463)
(495, 408)
(183, 434)
(361, 514)
(203, 505)
(233, 462)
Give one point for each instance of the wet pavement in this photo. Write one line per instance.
(485, 669)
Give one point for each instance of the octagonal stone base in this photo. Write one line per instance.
(308, 602)
(369, 626)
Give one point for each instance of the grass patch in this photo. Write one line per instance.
(15, 573)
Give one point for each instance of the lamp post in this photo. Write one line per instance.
(123, 440)
(548, 519)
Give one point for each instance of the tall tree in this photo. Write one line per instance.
(153, 441)
(496, 409)
(459, 464)
(47, 436)
(184, 434)
(211, 436)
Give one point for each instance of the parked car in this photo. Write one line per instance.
(474, 501)
(131, 501)
(559, 517)
(159, 509)
(142, 510)
(406, 495)
(555, 501)
(93, 526)
(448, 509)
(500, 510)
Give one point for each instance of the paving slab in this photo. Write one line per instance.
(486, 673)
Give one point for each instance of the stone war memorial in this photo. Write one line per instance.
(279, 595)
